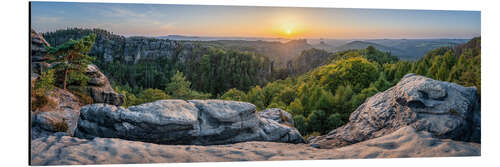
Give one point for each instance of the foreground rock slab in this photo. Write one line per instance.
(445, 110)
(406, 142)
(201, 122)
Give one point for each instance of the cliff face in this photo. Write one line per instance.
(111, 47)
(38, 52)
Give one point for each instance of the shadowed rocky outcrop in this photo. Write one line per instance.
(445, 110)
(64, 108)
(201, 122)
(38, 52)
(99, 88)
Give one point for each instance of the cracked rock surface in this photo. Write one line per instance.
(200, 122)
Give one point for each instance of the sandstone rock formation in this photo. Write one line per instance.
(405, 142)
(445, 110)
(100, 89)
(278, 115)
(200, 122)
(64, 109)
(38, 52)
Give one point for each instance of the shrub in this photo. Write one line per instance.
(300, 123)
(151, 95)
(42, 85)
(61, 126)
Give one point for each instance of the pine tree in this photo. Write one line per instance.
(71, 60)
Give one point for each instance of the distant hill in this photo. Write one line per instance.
(364, 44)
(417, 48)
(405, 49)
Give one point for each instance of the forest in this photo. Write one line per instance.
(321, 96)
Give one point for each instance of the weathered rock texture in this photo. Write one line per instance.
(405, 142)
(38, 52)
(278, 115)
(201, 122)
(64, 107)
(445, 110)
(100, 89)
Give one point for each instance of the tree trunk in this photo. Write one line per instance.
(65, 77)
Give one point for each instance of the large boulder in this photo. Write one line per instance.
(445, 110)
(200, 122)
(59, 115)
(99, 88)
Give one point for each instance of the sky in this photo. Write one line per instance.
(240, 21)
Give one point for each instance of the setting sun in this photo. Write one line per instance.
(288, 31)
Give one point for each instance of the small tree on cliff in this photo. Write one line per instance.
(71, 60)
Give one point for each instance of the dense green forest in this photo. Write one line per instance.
(320, 98)
(214, 69)
(323, 98)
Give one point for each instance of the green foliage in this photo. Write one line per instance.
(42, 86)
(45, 82)
(150, 95)
(323, 99)
(334, 121)
(179, 88)
(317, 122)
(71, 60)
(300, 123)
(356, 71)
(234, 94)
(256, 97)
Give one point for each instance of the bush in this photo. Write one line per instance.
(300, 124)
(151, 95)
(334, 121)
(61, 126)
(316, 121)
(42, 86)
(38, 101)
(44, 83)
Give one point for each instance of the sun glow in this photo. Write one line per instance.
(288, 31)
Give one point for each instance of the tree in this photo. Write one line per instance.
(256, 97)
(179, 88)
(296, 107)
(316, 121)
(356, 71)
(234, 94)
(334, 121)
(151, 95)
(71, 60)
(300, 124)
(382, 83)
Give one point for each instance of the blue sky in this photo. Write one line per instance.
(164, 19)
